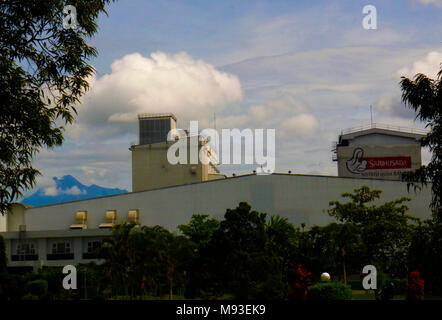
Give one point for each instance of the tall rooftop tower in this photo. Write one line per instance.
(378, 151)
(150, 166)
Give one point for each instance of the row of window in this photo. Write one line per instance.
(61, 250)
(51, 257)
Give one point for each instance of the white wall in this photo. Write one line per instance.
(301, 198)
(378, 139)
(15, 217)
(3, 222)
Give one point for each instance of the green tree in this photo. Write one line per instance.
(144, 260)
(199, 231)
(282, 241)
(165, 255)
(236, 250)
(425, 254)
(120, 256)
(385, 229)
(334, 248)
(43, 73)
(424, 96)
(3, 258)
(249, 256)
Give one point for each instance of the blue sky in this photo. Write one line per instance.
(305, 68)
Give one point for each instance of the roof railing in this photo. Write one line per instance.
(385, 127)
(142, 116)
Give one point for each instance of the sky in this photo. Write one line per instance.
(307, 69)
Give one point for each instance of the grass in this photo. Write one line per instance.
(369, 295)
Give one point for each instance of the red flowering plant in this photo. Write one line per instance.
(300, 282)
(415, 287)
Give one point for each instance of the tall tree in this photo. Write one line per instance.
(424, 96)
(43, 73)
(385, 229)
(425, 254)
(121, 256)
(3, 258)
(335, 248)
(199, 231)
(249, 255)
(237, 249)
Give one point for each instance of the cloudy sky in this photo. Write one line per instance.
(305, 68)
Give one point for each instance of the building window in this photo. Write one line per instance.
(61, 251)
(25, 248)
(92, 246)
(25, 251)
(91, 250)
(61, 247)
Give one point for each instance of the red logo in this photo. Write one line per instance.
(386, 163)
(358, 163)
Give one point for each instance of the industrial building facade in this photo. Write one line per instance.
(68, 233)
(300, 198)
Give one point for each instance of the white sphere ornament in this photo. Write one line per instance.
(325, 277)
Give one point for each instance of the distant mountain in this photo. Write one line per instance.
(67, 189)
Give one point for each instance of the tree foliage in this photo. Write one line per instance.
(43, 73)
(250, 255)
(334, 248)
(385, 229)
(144, 260)
(424, 96)
(3, 258)
(425, 254)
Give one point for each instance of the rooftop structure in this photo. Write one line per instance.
(154, 127)
(378, 151)
(150, 166)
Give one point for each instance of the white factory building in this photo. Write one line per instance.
(67, 233)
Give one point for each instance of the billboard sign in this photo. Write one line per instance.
(358, 163)
(378, 162)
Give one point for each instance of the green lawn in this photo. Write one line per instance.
(369, 295)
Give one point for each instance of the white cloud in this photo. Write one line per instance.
(54, 191)
(51, 191)
(74, 191)
(430, 66)
(260, 112)
(45, 183)
(301, 124)
(435, 2)
(391, 104)
(191, 89)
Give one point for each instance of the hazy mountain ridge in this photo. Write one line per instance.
(67, 189)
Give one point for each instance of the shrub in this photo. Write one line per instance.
(3, 268)
(11, 286)
(300, 282)
(390, 289)
(37, 288)
(329, 291)
(415, 288)
(29, 297)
